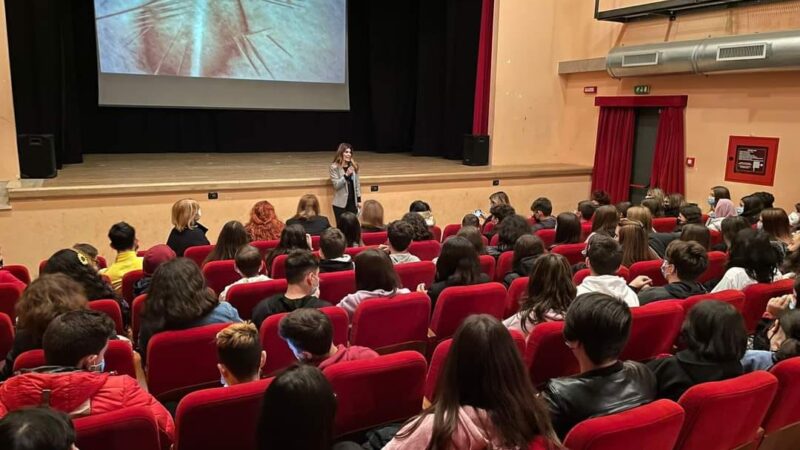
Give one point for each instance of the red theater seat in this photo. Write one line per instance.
(505, 265)
(436, 232)
(573, 252)
(179, 362)
(664, 224)
(236, 408)
(726, 414)
(388, 325)
(653, 427)
(334, 286)
(488, 227)
(198, 253)
(374, 238)
(487, 264)
(518, 288)
(220, 274)
(413, 274)
(425, 250)
(119, 359)
(136, 315)
(756, 298)
(315, 242)
(548, 236)
(546, 355)
(6, 335)
(450, 230)
(716, 267)
(654, 329)
(716, 238)
(456, 303)
(128, 280)
(9, 296)
(782, 423)
(732, 296)
(650, 269)
(19, 271)
(586, 230)
(353, 251)
(495, 240)
(112, 309)
(580, 275)
(245, 297)
(133, 428)
(265, 246)
(373, 392)
(278, 269)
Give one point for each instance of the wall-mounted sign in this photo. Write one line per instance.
(642, 89)
(752, 160)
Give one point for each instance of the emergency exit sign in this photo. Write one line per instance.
(642, 89)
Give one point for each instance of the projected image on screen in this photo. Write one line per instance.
(271, 40)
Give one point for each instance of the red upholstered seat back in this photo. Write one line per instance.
(664, 224)
(548, 236)
(198, 253)
(278, 269)
(315, 242)
(112, 309)
(583, 273)
(450, 230)
(518, 288)
(6, 335)
(586, 230)
(390, 324)
(136, 315)
(732, 296)
(118, 357)
(245, 297)
(456, 303)
(757, 296)
(716, 267)
(199, 415)
(265, 246)
(334, 286)
(716, 238)
(726, 414)
(374, 238)
(653, 427)
(504, 265)
(413, 274)
(133, 428)
(573, 252)
(784, 411)
(9, 296)
(372, 392)
(436, 232)
(353, 251)
(220, 274)
(654, 330)
(128, 280)
(487, 264)
(179, 362)
(495, 240)
(19, 271)
(425, 250)
(546, 354)
(650, 269)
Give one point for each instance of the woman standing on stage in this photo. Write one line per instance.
(346, 187)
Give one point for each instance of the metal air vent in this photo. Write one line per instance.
(742, 52)
(640, 59)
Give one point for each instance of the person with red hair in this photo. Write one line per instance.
(264, 224)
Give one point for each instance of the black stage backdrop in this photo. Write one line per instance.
(412, 87)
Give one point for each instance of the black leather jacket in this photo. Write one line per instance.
(598, 392)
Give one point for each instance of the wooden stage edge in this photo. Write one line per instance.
(114, 175)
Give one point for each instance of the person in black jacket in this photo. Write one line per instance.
(596, 329)
(331, 252)
(458, 265)
(682, 266)
(542, 210)
(187, 231)
(308, 216)
(527, 248)
(716, 341)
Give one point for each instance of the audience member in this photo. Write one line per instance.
(601, 198)
(642, 215)
(484, 397)
(596, 329)
(752, 259)
(586, 211)
(264, 224)
(508, 231)
(527, 248)
(308, 217)
(750, 208)
(603, 258)
(717, 193)
(351, 229)
(299, 392)
(470, 220)
(293, 237)
(46, 298)
(656, 208)
(697, 233)
(673, 204)
(37, 429)
(424, 210)
(764, 337)
(375, 278)
(302, 275)
(178, 299)
(656, 194)
(775, 223)
(473, 235)
(153, 258)
(568, 229)
(6, 277)
(683, 264)
(497, 198)
(767, 199)
(332, 244)
(605, 222)
(794, 216)
(715, 339)
(689, 214)
(779, 339)
(75, 265)
(622, 208)
(186, 228)
(239, 354)
(633, 238)
(400, 235)
(74, 351)
(498, 214)
(458, 265)
(730, 227)
(421, 230)
(550, 292)
(309, 334)
(232, 237)
(248, 264)
(91, 253)
(542, 210)
(724, 208)
(372, 217)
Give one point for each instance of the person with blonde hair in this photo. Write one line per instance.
(239, 354)
(187, 230)
(264, 224)
(346, 186)
(372, 217)
(308, 216)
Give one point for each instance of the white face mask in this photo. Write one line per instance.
(740, 210)
(712, 201)
(794, 218)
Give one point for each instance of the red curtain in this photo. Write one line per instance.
(668, 171)
(613, 156)
(483, 80)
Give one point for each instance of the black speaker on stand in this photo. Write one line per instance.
(37, 155)
(476, 150)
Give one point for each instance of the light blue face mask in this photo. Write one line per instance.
(222, 381)
(101, 367)
(740, 210)
(712, 201)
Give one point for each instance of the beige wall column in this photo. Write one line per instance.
(9, 162)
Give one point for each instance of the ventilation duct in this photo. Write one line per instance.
(753, 52)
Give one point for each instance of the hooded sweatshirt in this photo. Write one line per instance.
(678, 290)
(676, 374)
(403, 258)
(340, 264)
(609, 284)
(524, 269)
(474, 431)
(350, 302)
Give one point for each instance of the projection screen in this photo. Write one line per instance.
(240, 54)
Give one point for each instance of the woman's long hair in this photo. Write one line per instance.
(473, 234)
(697, 233)
(177, 297)
(232, 237)
(550, 288)
(458, 264)
(634, 242)
(606, 219)
(264, 224)
(307, 207)
(77, 266)
(753, 251)
(372, 215)
(510, 229)
(484, 370)
(752, 207)
(776, 224)
(339, 158)
(374, 270)
(293, 237)
(184, 214)
(349, 225)
(46, 298)
(642, 215)
(528, 245)
(568, 229)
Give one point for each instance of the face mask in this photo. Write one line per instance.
(315, 285)
(760, 225)
(740, 210)
(712, 201)
(222, 381)
(101, 367)
(794, 218)
(664, 268)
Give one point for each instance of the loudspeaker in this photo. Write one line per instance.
(476, 150)
(37, 156)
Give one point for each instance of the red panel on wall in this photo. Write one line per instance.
(752, 160)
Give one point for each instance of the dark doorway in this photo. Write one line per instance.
(643, 151)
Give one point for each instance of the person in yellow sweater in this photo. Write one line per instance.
(123, 240)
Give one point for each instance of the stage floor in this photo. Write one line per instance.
(172, 172)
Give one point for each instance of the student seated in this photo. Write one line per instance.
(568, 229)
(239, 354)
(632, 236)
(421, 230)
(293, 237)
(596, 329)
(672, 204)
(682, 266)
(474, 236)
(775, 325)
(724, 208)
(470, 220)
(715, 339)
(232, 237)
(309, 334)
(77, 266)
(484, 397)
(153, 258)
(74, 350)
(308, 216)
(458, 265)
(585, 211)
(302, 275)
(372, 217)
(350, 227)
(248, 264)
(499, 213)
(549, 294)
(400, 235)
(542, 210)
(37, 429)
(697, 233)
(375, 278)
(623, 208)
(603, 258)
(90, 251)
(601, 198)
(186, 228)
(782, 339)
(752, 259)
(332, 244)
(424, 210)
(527, 248)
(508, 231)
(655, 206)
(605, 222)
(264, 224)
(689, 214)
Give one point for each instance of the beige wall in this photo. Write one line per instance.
(9, 164)
(539, 116)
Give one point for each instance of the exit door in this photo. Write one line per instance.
(643, 150)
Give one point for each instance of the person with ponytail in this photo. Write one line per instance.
(458, 265)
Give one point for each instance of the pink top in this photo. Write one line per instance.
(351, 353)
(474, 431)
